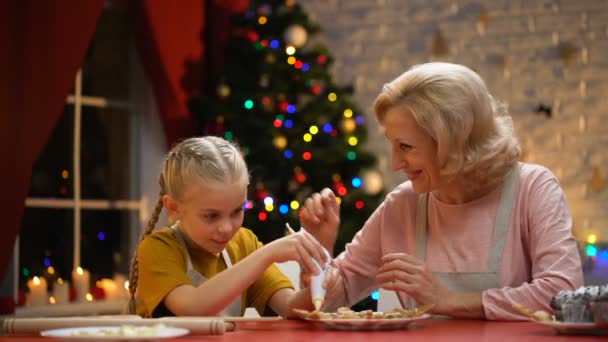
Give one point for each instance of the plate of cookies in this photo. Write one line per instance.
(347, 319)
(580, 312)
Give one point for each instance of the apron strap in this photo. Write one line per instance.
(503, 218)
(501, 227)
(421, 218)
(178, 235)
(226, 258)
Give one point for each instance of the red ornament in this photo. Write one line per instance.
(300, 177)
(253, 36)
(261, 194)
(321, 59)
(283, 106)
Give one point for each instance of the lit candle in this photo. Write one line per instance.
(110, 288)
(61, 291)
(123, 285)
(38, 291)
(81, 280)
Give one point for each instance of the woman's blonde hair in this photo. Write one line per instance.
(204, 159)
(473, 131)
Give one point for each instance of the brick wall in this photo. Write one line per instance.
(530, 52)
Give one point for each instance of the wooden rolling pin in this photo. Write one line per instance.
(33, 326)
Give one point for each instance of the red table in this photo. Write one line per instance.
(427, 331)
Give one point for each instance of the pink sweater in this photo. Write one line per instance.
(540, 255)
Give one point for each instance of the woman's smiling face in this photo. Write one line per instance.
(413, 150)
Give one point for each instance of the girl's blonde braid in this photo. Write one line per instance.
(132, 306)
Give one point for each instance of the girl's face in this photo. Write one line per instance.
(210, 214)
(413, 150)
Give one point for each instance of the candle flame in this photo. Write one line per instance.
(59, 281)
(89, 297)
(36, 281)
(79, 270)
(51, 270)
(127, 285)
(52, 300)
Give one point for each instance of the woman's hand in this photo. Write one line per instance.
(301, 247)
(403, 272)
(320, 216)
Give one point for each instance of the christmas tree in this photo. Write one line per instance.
(299, 130)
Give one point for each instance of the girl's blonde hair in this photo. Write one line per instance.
(207, 159)
(473, 131)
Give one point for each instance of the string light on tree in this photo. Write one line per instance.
(280, 142)
(348, 125)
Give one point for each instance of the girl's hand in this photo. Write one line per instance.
(403, 272)
(301, 247)
(320, 216)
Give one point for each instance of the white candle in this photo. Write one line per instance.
(123, 285)
(81, 280)
(61, 291)
(38, 291)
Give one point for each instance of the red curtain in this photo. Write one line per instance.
(42, 45)
(178, 41)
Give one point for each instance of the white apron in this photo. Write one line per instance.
(232, 310)
(471, 281)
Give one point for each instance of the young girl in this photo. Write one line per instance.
(205, 263)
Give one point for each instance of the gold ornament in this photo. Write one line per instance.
(264, 81)
(271, 58)
(223, 90)
(296, 35)
(372, 182)
(597, 183)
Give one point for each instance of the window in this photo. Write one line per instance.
(85, 198)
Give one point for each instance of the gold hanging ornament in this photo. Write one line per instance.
(597, 183)
(372, 182)
(295, 35)
(264, 81)
(223, 90)
(271, 58)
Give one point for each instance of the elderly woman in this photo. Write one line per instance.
(473, 231)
